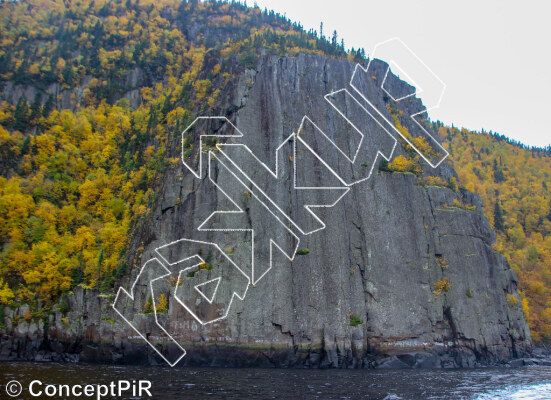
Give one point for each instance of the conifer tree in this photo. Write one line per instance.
(21, 115)
(498, 217)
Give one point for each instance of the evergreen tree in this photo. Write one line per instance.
(36, 108)
(20, 76)
(498, 172)
(21, 115)
(68, 74)
(498, 217)
(48, 106)
(94, 62)
(25, 147)
(5, 62)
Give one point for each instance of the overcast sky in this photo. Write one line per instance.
(494, 56)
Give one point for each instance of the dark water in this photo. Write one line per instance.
(214, 383)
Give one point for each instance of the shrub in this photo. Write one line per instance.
(469, 293)
(443, 285)
(248, 60)
(525, 309)
(442, 262)
(512, 300)
(6, 294)
(173, 281)
(148, 307)
(383, 166)
(459, 204)
(435, 181)
(452, 184)
(355, 320)
(205, 265)
(403, 164)
(121, 270)
(423, 146)
(162, 304)
(302, 252)
(63, 307)
(108, 282)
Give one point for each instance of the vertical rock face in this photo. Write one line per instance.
(402, 274)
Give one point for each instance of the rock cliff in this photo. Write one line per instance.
(399, 273)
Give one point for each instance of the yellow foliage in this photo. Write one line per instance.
(517, 180)
(435, 181)
(442, 263)
(60, 65)
(6, 294)
(422, 145)
(512, 300)
(459, 204)
(403, 164)
(440, 286)
(526, 308)
(161, 305)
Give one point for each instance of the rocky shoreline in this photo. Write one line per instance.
(37, 341)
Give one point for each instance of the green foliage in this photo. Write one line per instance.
(121, 270)
(498, 217)
(107, 282)
(383, 166)
(63, 307)
(355, 320)
(21, 115)
(248, 60)
(302, 252)
(498, 172)
(36, 229)
(452, 184)
(148, 306)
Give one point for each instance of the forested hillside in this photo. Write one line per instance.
(515, 184)
(95, 91)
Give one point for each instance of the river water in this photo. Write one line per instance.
(531, 382)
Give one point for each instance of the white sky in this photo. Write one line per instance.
(494, 56)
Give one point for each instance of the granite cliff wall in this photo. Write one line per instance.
(385, 246)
